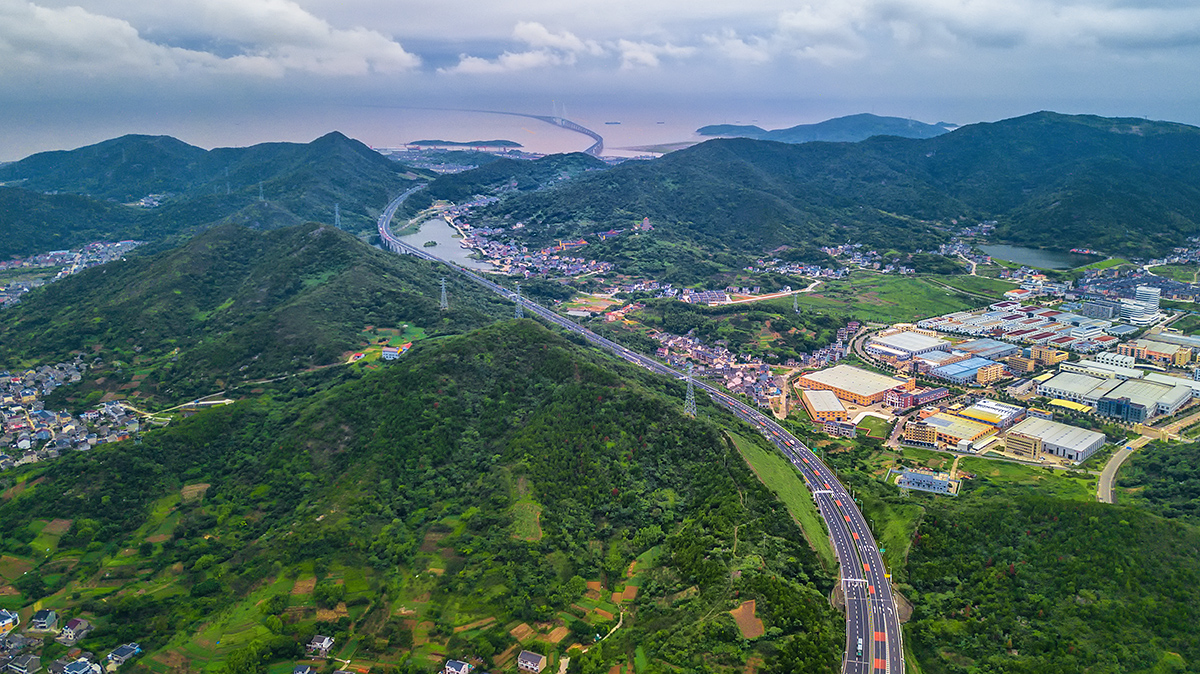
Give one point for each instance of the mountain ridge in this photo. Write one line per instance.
(847, 129)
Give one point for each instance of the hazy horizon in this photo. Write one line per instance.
(226, 72)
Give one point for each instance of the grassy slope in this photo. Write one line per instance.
(781, 477)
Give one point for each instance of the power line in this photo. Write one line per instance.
(689, 404)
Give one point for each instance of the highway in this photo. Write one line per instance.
(873, 637)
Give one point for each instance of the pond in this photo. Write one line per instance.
(448, 247)
(1035, 257)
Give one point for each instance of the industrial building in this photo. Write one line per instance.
(853, 384)
(823, 406)
(927, 480)
(992, 413)
(902, 400)
(1070, 386)
(1102, 370)
(905, 344)
(989, 348)
(1160, 352)
(944, 429)
(1137, 401)
(962, 372)
(1034, 436)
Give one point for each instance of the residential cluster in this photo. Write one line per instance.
(21, 653)
(1116, 285)
(68, 261)
(816, 271)
(31, 433)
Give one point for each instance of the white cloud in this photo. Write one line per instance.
(260, 38)
(507, 62)
(536, 35)
(754, 49)
(647, 54)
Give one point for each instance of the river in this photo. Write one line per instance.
(1040, 259)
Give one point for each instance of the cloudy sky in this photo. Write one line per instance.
(222, 72)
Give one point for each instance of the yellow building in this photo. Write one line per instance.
(990, 373)
(1024, 445)
(853, 384)
(1021, 364)
(1047, 355)
(945, 429)
(823, 406)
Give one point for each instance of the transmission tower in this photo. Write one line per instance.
(260, 192)
(445, 305)
(520, 312)
(795, 304)
(337, 216)
(689, 403)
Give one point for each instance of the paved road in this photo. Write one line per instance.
(1104, 490)
(873, 637)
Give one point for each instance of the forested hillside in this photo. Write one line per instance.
(486, 488)
(232, 305)
(504, 175)
(1035, 584)
(1164, 477)
(1122, 186)
(36, 223)
(262, 186)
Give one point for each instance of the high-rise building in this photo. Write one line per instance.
(1148, 295)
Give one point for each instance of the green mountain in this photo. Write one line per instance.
(1121, 186)
(33, 222)
(262, 186)
(234, 305)
(501, 490)
(505, 176)
(848, 129)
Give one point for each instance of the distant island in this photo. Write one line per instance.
(473, 143)
(851, 129)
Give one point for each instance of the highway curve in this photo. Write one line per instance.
(871, 616)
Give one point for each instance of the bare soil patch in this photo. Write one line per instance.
(430, 543)
(522, 632)
(558, 634)
(304, 586)
(594, 585)
(604, 614)
(57, 527)
(13, 568)
(193, 492)
(478, 623)
(750, 626)
(161, 538)
(630, 593)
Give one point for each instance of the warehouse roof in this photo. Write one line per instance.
(1054, 433)
(957, 427)
(1071, 382)
(823, 401)
(854, 380)
(910, 342)
(962, 368)
(988, 348)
